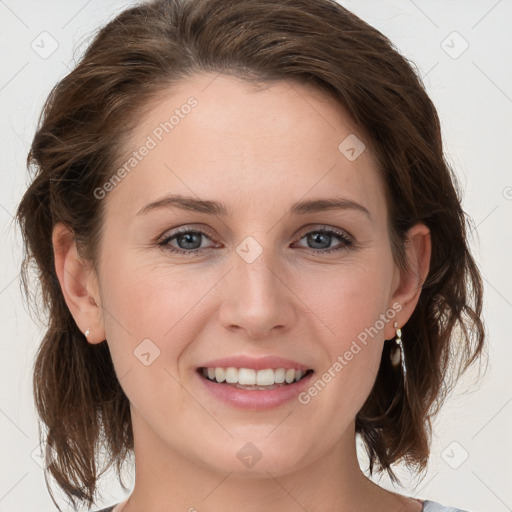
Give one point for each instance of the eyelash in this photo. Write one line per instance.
(347, 242)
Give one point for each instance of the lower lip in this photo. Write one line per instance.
(255, 399)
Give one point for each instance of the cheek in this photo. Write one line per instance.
(149, 320)
(170, 305)
(353, 308)
(351, 300)
(353, 304)
(148, 300)
(153, 309)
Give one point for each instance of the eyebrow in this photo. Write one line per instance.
(220, 209)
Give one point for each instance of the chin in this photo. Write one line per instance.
(250, 460)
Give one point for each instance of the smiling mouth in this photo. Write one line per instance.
(253, 380)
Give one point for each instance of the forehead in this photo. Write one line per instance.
(215, 134)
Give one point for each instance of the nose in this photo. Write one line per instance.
(257, 299)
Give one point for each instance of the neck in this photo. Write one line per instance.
(167, 480)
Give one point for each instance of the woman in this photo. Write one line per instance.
(252, 252)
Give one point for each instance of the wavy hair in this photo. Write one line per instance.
(91, 112)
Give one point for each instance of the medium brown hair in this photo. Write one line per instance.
(79, 143)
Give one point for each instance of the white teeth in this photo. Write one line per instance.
(231, 375)
(251, 377)
(246, 376)
(279, 375)
(265, 377)
(220, 374)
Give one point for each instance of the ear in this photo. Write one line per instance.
(408, 282)
(79, 284)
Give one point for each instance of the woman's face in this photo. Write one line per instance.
(258, 280)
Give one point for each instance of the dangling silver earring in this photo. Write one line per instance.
(87, 332)
(397, 354)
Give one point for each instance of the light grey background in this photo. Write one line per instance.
(472, 89)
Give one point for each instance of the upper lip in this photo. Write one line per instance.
(256, 363)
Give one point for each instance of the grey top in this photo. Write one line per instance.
(432, 506)
(428, 506)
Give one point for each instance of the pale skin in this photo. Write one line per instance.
(258, 152)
